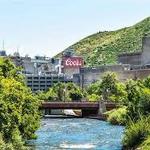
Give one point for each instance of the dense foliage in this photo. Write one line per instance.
(62, 92)
(146, 144)
(104, 47)
(93, 98)
(117, 116)
(138, 101)
(133, 99)
(108, 89)
(136, 133)
(19, 115)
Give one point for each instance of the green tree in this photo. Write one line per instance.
(110, 88)
(108, 85)
(59, 89)
(146, 82)
(138, 99)
(5, 146)
(49, 95)
(144, 103)
(8, 69)
(62, 92)
(94, 88)
(120, 95)
(19, 109)
(74, 92)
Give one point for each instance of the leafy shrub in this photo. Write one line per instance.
(62, 92)
(144, 103)
(138, 99)
(4, 146)
(120, 95)
(146, 82)
(117, 116)
(41, 95)
(94, 88)
(74, 92)
(136, 132)
(75, 95)
(93, 97)
(146, 144)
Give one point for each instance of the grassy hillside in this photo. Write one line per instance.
(103, 47)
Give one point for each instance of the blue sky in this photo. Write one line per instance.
(46, 27)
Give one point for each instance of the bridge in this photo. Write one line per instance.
(88, 108)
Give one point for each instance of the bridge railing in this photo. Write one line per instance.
(78, 104)
(105, 102)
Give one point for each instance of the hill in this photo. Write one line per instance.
(104, 47)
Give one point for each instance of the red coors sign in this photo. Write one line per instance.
(72, 62)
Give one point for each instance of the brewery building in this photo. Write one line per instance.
(42, 72)
(130, 66)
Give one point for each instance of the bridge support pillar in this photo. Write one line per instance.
(102, 108)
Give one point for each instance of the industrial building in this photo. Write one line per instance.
(42, 72)
(130, 66)
(139, 58)
(43, 82)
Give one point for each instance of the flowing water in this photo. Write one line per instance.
(80, 134)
